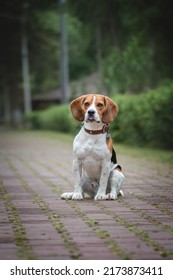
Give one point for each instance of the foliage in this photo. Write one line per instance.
(128, 69)
(136, 52)
(80, 61)
(43, 50)
(56, 118)
(145, 119)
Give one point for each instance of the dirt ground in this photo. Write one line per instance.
(36, 224)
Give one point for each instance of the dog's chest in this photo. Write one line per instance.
(92, 148)
(92, 152)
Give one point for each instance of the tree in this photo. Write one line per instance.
(121, 23)
(10, 67)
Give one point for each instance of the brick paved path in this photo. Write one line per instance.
(36, 224)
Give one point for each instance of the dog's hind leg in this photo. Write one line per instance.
(115, 184)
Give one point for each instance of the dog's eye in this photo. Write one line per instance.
(100, 105)
(86, 104)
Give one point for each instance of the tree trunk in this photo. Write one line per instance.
(99, 57)
(14, 102)
(7, 106)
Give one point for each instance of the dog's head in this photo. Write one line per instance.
(94, 108)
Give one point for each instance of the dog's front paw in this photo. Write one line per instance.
(77, 196)
(100, 196)
(67, 195)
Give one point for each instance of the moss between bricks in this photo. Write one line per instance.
(142, 234)
(158, 206)
(112, 245)
(54, 218)
(24, 250)
(148, 217)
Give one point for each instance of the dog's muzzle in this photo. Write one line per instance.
(92, 116)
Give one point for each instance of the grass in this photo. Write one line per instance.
(155, 155)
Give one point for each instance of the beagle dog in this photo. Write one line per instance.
(95, 168)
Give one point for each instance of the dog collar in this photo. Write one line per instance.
(105, 129)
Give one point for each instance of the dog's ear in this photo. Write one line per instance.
(76, 108)
(110, 112)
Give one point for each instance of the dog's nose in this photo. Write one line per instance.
(91, 112)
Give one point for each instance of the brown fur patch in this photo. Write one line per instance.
(109, 144)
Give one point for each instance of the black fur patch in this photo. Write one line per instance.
(114, 158)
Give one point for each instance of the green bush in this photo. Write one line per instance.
(56, 118)
(145, 119)
(160, 122)
(32, 120)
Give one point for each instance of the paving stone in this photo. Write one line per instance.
(34, 171)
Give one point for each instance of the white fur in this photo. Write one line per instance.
(94, 173)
